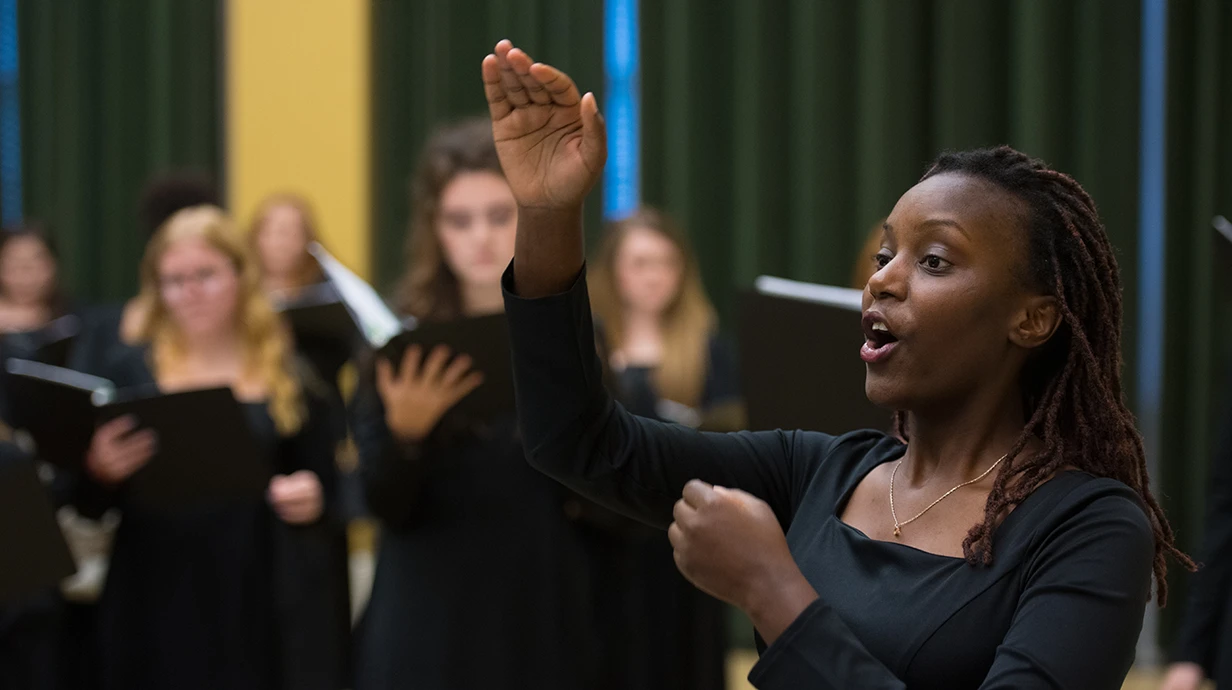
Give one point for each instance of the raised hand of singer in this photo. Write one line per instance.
(730, 545)
(550, 139)
(298, 498)
(423, 390)
(118, 449)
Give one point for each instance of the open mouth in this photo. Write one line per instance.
(879, 340)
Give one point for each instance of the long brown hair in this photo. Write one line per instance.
(309, 271)
(429, 289)
(266, 342)
(688, 322)
(1073, 389)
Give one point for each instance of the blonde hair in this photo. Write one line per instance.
(429, 289)
(310, 271)
(264, 338)
(689, 321)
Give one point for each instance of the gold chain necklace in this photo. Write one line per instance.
(899, 525)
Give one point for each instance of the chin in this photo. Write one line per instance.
(884, 392)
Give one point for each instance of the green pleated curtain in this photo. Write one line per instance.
(112, 91)
(425, 72)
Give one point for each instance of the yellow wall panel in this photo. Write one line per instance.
(298, 113)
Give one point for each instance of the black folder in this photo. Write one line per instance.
(318, 313)
(800, 359)
(206, 450)
(485, 339)
(33, 554)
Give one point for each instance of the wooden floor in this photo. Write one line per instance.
(741, 661)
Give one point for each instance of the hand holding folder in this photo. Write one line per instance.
(205, 449)
(484, 340)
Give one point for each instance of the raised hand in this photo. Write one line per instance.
(423, 390)
(551, 141)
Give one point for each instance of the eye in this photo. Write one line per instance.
(500, 216)
(457, 221)
(934, 263)
(881, 259)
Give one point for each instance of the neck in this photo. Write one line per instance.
(478, 300)
(280, 284)
(957, 443)
(26, 314)
(642, 324)
(219, 349)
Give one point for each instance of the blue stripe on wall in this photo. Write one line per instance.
(1151, 209)
(10, 115)
(621, 56)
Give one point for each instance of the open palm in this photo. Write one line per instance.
(551, 141)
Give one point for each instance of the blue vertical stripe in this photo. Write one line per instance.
(621, 53)
(10, 115)
(1151, 287)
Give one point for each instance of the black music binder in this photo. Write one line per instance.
(800, 359)
(206, 451)
(485, 339)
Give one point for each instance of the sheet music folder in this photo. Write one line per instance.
(485, 339)
(33, 554)
(800, 358)
(319, 313)
(206, 451)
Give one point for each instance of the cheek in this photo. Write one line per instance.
(453, 246)
(506, 238)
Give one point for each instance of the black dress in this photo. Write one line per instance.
(1060, 608)
(29, 629)
(481, 576)
(673, 636)
(226, 595)
(1205, 635)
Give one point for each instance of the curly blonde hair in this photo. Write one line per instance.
(265, 340)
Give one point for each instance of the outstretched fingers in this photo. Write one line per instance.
(498, 103)
(521, 64)
(558, 84)
(514, 91)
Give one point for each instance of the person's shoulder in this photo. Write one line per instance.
(850, 453)
(1083, 515)
(1079, 493)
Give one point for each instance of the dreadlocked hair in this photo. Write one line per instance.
(1071, 387)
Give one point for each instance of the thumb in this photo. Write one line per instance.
(594, 133)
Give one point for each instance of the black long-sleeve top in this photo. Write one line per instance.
(1205, 636)
(1061, 607)
(481, 578)
(226, 594)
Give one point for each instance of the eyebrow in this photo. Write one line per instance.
(933, 222)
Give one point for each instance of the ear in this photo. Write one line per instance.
(1035, 322)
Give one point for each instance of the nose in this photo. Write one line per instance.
(889, 282)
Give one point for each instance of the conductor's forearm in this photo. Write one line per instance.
(549, 251)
